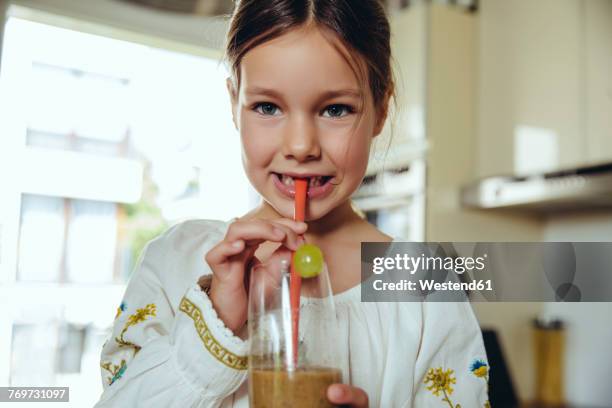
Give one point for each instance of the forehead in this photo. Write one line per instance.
(302, 60)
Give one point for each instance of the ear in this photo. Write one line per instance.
(382, 115)
(233, 99)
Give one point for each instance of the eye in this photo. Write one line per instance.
(337, 110)
(265, 108)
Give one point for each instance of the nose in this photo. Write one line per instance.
(301, 141)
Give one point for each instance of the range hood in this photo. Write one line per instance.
(587, 187)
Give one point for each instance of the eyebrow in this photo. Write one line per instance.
(355, 93)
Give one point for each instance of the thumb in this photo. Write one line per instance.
(346, 394)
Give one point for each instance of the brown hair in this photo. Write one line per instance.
(361, 26)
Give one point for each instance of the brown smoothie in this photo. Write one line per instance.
(301, 388)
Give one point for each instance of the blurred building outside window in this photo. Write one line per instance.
(108, 143)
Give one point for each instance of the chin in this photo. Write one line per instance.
(318, 212)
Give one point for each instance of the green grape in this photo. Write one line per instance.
(308, 260)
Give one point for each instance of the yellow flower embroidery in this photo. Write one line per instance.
(440, 381)
(115, 370)
(120, 310)
(481, 370)
(139, 316)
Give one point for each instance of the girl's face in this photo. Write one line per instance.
(298, 112)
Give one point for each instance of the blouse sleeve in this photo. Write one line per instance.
(451, 368)
(168, 355)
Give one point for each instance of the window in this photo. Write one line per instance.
(108, 143)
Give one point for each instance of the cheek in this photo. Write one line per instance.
(350, 153)
(258, 146)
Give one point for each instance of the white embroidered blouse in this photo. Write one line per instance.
(168, 348)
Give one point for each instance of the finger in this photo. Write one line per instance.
(291, 237)
(254, 231)
(299, 227)
(295, 238)
(346, 394)
(223, 250)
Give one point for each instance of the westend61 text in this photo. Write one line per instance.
(429, 285)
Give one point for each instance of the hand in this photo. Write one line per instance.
(344, 394)
(235, 253)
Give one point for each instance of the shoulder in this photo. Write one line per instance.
(195, 229)
(182, 246)
(176, 257)
(367, 232)
(190, 235)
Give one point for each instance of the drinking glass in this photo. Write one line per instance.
(280, 375)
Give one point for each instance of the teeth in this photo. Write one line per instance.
(288, 181)
(312, 181)
(315, 181)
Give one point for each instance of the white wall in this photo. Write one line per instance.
(452, 119)
(548, 64)
(588, 355)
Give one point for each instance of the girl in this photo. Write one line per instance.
(310, 85)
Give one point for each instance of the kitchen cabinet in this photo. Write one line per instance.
(598, 72)
(545, 87)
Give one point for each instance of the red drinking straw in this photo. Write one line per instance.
(301, 189)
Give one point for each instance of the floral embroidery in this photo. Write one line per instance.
(139, 316)
(135, 318)
(440, 381)
(479, 368)
(142, 314)
(115, 370)
(120, 310)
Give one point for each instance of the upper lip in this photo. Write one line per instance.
(302, 175)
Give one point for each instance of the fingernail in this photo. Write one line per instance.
(300, 240)
(336, 392)
(237, 244)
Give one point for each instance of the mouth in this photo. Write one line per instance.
(318, 185)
